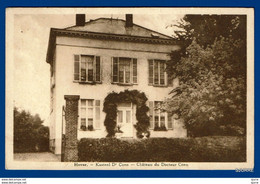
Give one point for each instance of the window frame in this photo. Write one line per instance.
(159, 61)
(133, 69)
(87, 117)
(94, 81)
(166, 116)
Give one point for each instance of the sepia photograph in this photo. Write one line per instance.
(130, 88)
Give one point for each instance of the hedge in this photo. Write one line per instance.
(203, 149)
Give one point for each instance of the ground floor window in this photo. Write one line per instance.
(89, 114)
(159, 119)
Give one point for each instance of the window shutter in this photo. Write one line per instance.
(115, 69)
(150, 72)
(151, 110)
(170, 81)
(98, 69)
(97, 114)
(170, 122)
(134, 71)
(76, 67)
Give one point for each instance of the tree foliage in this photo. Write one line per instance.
(211, 68)
(29, 133)
(206, 28)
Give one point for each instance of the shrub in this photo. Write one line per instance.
(203, 149)
(30, 135)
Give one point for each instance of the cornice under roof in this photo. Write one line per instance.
(94, 35)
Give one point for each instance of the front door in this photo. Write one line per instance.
(124, 119)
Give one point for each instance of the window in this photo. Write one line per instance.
(157, 72)
(124, 70)
(87, 68)
(159, 120)
(89, 114)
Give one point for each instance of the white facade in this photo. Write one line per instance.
(63, 83)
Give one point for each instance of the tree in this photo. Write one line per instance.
(211, 68)
(29, 133)
(206, 28)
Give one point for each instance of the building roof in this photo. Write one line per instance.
(117, 26)
(108, 29)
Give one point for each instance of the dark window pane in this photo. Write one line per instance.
(90, 103)
(115, 69)
(83, 71)
(162, 121)
(121, 71)
(134, 70)
(162, 80)
(90, 68)
(98, 69)
(127, 70)
(83, 122)
(156, 121)
(83, 103)
(127, 77)
(121, 76)
(90, 75)
(156, 72)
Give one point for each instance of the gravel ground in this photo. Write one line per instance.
(40, 157)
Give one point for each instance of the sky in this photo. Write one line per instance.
(31, 35)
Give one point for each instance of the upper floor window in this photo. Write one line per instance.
(87, 68)
(124, 70)
(159, 119)
(157, 72)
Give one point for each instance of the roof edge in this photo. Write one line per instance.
(54, 32)
(91, 20)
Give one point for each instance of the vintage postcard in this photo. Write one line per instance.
(130, 88)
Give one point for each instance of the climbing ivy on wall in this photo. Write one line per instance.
(133, 96)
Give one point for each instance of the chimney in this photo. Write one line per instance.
(80, 19)
(129, 20)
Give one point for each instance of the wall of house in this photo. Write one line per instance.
(66, 48)
(52, 107)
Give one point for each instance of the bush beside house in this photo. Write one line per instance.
(29, 133)
(203, 149)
